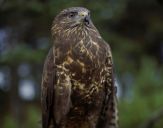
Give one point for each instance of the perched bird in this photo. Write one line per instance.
(78, 88)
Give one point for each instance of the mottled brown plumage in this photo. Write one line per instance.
(78, 84)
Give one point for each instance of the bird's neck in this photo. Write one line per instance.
(74, 34)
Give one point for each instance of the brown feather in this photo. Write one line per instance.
(83, 93)
(47, 91)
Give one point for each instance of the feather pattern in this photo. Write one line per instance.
(78, 89)
(47, 93)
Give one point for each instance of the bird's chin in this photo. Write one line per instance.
(75, 25)
(82, 24)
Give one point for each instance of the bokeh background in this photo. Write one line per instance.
(133, 28)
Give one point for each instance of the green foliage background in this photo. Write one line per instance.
(134, 30)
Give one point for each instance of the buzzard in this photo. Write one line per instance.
(78, 88)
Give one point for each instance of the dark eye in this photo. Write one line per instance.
(72, 14)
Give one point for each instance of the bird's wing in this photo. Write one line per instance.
(110, 108)
(56, 92)
(47, 89)
(109, 117)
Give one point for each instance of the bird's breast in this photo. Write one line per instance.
(84, 62)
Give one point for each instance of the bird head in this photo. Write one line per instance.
(74, 22)
(74, 16)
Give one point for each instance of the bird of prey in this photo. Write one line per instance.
(78, 88)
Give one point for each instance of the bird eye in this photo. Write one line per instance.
(72, 14)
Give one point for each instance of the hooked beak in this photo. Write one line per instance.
(85, 18)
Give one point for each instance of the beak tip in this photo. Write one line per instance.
(87, 20)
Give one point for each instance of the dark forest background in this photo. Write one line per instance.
(133, 28)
